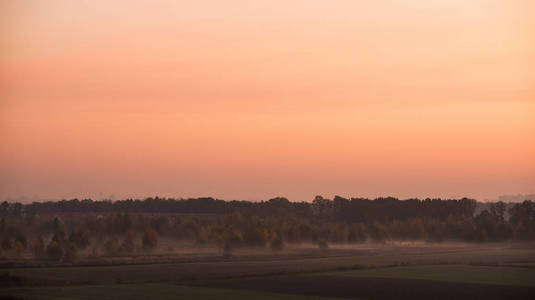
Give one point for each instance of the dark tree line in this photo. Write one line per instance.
(355, 210)
(60, 230)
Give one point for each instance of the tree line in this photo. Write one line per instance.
(136, 226)
(357, 210)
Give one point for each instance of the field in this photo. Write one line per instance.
(441, 271)
(513, 276)
(142, 291)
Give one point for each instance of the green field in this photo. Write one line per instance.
(514, 276)
(141, 292)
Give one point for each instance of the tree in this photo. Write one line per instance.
(203, 237)
(20, 238)
(59, 237)
(54, 250)
(70, 252)
(80, 239)
(321, 206)
(255, 237)
(497, 210)
(149, 239)
(128, 242)
(38, 247)
(19, 248)
(435, 231)
(6, 243)
(523, 220)
(378, 232)
(276, 243)
(233, 237)
(111, 247)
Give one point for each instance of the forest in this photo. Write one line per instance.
(60, 230)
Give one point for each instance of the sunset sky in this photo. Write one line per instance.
(256, 99)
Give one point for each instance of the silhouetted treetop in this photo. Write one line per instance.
(352, 210)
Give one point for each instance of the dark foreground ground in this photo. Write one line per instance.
(376, 288)
(389, 272)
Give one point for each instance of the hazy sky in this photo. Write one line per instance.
(255, 99)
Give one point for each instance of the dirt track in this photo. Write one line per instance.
(375, 288)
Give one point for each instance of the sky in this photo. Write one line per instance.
(256, 99)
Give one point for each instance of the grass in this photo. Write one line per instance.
(141, 292)
(177, 272)
(159, 281)
(452, 273)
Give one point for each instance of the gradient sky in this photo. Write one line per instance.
(256, 99)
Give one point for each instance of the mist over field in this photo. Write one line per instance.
(81, 230)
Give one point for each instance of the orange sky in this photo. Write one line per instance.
(255, 99)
